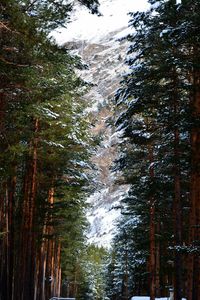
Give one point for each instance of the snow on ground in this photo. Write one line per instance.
(148, 298)
(87, 26)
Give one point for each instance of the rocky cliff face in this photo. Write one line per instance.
(105, 60)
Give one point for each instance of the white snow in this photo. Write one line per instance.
(102, 33)
(50, 143)
(103, 216)
(87, 26)
(148, 298)
(143, 298)
(50, 113)
(164, 31)
(155, 5)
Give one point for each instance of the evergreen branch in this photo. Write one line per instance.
(30, 6)
(12, 63)
(3, 25)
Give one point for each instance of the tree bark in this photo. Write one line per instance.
(10, 235)
(152, 261)
(177, 208)
(194, 238)
(157, 279)
(25, 284)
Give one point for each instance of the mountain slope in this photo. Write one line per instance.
(105, 60)
(96, 40)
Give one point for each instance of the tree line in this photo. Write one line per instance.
(157, 245)
(43, 152)
(45, 146)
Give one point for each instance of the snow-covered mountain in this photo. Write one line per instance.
(90, 27)
(105, 60)
(97, 41)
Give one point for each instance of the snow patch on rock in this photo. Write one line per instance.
(103, 215)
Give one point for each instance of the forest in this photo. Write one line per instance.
(46, 145)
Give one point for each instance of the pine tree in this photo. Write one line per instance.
(42, 149)
(156, 99)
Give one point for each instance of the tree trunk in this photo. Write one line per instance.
(177, 209)
(177, 223)
(51, 247)
(25, 284)
(194, 239)
(157, 279)
(152, 261)
(10, 235)
(125, 279)
(3, 242)
(58, 270)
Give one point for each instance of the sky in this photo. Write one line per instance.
(86, 26)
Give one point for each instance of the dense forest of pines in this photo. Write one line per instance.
(157, 246)
(43, 143)
(45, 147)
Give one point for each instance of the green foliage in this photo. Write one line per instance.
(155, 105)
(39, 86)
(94, 264)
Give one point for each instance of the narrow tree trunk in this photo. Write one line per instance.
(125, 279)
(152, 262)
(36, 279)
(43, 267)
(1, 240)
(58, 270)
(5, 257)
(177, 223)
(177, 209)
(51, 246)
(194, 239)
(25, 284)
(157, 279)
(58, 289)
(10, 235)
